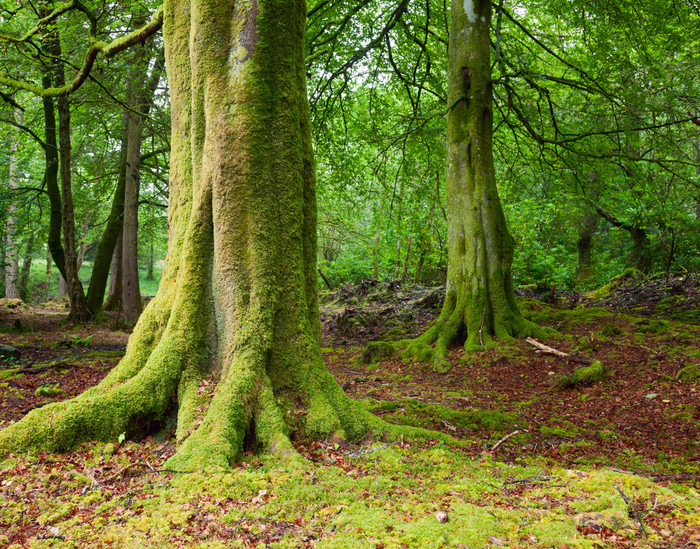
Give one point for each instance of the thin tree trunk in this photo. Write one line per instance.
(12, 287)
(588, 225)
(149, 274)
(139, 98)
(26, 267)
(406, 262)
(421, 261)
(114, 293)
(375, 251)
(49, 263)
(79, 311)
(131, 293)
(55, 247)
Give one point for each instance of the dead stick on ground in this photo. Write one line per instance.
(44, 368)
(657, 505)
(481, 327)
(542, 348)
(509, 435)
(634, 511)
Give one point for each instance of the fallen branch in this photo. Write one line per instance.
(633, 511)
(542, 348)
(508, 436)
(44, 368)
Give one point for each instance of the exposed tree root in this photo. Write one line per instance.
(480, 326)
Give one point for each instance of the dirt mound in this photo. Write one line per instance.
(372, 307)
(674, 296)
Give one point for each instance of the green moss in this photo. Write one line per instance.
(652, 326)
(628, 275)
(103, 354)
(691, 372)
(611, 330)
(49, 391)
(9, 373)
(582, 377)
(374, 351)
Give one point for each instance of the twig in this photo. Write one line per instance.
(509, 435)
(634, 511)
(481, 326)
(360, 453)
(657, 505)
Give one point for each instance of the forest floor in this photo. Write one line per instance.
(615, 463)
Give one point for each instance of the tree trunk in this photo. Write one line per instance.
(79, 311)
(238, 297)
(55, 247)
(114, 293)
(26, 267)
(149, 274)
(62, 286)
(131, 292)
(111, 235)
(375, 250)
(140, 98)
(49, 261)
(12, 288)
(406, 262)
(587, 227)
(480, 300)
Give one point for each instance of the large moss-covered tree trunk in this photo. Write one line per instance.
(230, 345)
(480, 301)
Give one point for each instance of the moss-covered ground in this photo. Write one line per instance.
(614, 463)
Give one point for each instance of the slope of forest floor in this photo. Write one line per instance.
(615, 463)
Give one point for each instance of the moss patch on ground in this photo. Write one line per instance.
(385, 495)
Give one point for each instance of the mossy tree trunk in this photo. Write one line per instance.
(480, 301)
(12, 288)
(79, 311)
(230, 345)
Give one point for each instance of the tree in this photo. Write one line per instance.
(480, 299)
(237, 301)
(12, 286)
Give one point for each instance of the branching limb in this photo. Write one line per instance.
(107, 49)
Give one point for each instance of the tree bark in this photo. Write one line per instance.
(55, 247)
(587, 227)
(139, 97)
(114, 293)
(111, 235)
(79, 311)
(480, 300)
(151, 260)
(238, 297)
(26, 267)
(12, 287)
(136, 95)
